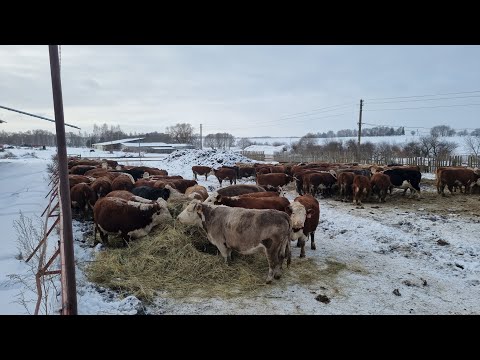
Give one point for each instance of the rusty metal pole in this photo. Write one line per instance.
(69, 292)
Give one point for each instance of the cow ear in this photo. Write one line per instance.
(309, 213)
(198, 208)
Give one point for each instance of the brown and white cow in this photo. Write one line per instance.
(123, 182)
(361, 188)
(305, 217)
(458, 177)
(235, 190)
(77, 179)
(201, 170)
(278, 203)
(345, 182)
(245, 231)
(321, 180)
(197, 192)
(262, 194)
(130, 219)
(102, 186)
(82, 197)
(128, 196)
(380, 183)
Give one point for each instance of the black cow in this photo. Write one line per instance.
(136, 173)
(150, 193)
(404, 179)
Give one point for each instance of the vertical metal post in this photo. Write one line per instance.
(359, 130)
(69, 294)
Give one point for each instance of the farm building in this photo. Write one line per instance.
(113, 145)
(155, 147)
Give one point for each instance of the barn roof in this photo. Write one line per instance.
(117, 141)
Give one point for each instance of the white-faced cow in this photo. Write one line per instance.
(245, 231)
(130, 219)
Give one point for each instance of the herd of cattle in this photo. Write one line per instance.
(131, 200)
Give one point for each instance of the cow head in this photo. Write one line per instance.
(298, 217)
(193, 214)
(212, 198)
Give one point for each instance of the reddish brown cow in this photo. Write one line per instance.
(345, 182)
(149, 170)
(276, 203)
(226, 173)
(274, 179)
(82, 197)
(122, 183)
(361, 188)
(197, 192)
(77, 179)
(97, 172)
(262, 194)
(201, 170)
(246, 171)
(130, 219)
(102, 186)
(75, 162)
(459, 177)
(145, 182)
(127, 195)
(322, 180)
(262, 171)
(380, 184)
(181, 185)
(279, 169)
(235, 190)
(81, 169)
(308, 227)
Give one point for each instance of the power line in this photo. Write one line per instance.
(37, 116)
(445, 98)
(413, 96)
(413, 127)
(425, 107)
(316, 110)
(269, 125)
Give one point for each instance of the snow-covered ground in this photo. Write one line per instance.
(390, 258)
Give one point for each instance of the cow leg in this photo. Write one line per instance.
(302, 246)
(274, 271)
(206, 176)
(450, 188)
(104, 238)
(312, 241)
(222, 247)
(195, 175)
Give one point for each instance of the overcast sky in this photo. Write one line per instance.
(244, 90)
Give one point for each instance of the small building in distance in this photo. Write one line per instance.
(114, 145)
(154, 147)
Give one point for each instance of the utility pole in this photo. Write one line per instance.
(201, 138)
(359, 130)
(69, 293)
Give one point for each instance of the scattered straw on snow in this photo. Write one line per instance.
(180, 261)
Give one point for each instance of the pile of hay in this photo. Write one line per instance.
(180, 261)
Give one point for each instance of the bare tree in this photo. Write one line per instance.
(433, 146)
(209, 141)
(442, 130)
(181, 133)
(473, 144)
(243, 143)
